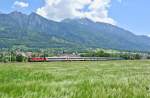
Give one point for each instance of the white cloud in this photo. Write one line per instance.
(20, 4)
(96, 10)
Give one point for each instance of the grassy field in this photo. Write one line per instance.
(107, 79)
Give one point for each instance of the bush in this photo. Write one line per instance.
(137, 56)
(19, 58)
(148, 57)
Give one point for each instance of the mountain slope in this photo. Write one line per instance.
(35, 31)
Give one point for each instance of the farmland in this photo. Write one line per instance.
(102, 79)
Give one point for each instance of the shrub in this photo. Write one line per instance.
(19, 58)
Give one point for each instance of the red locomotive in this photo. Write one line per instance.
(37, 59)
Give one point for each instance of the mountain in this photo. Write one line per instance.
(35, 31)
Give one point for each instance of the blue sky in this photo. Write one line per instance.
(7, 6)
(132, 15)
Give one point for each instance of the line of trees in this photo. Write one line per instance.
(12, 57)
(96, 54)
(131, 56)
(101, 53)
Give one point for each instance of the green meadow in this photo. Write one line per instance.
(102, 79)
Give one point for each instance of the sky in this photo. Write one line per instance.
(132, 15)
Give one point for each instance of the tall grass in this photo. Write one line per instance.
(108, 79)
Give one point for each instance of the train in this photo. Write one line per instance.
(52, 59)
